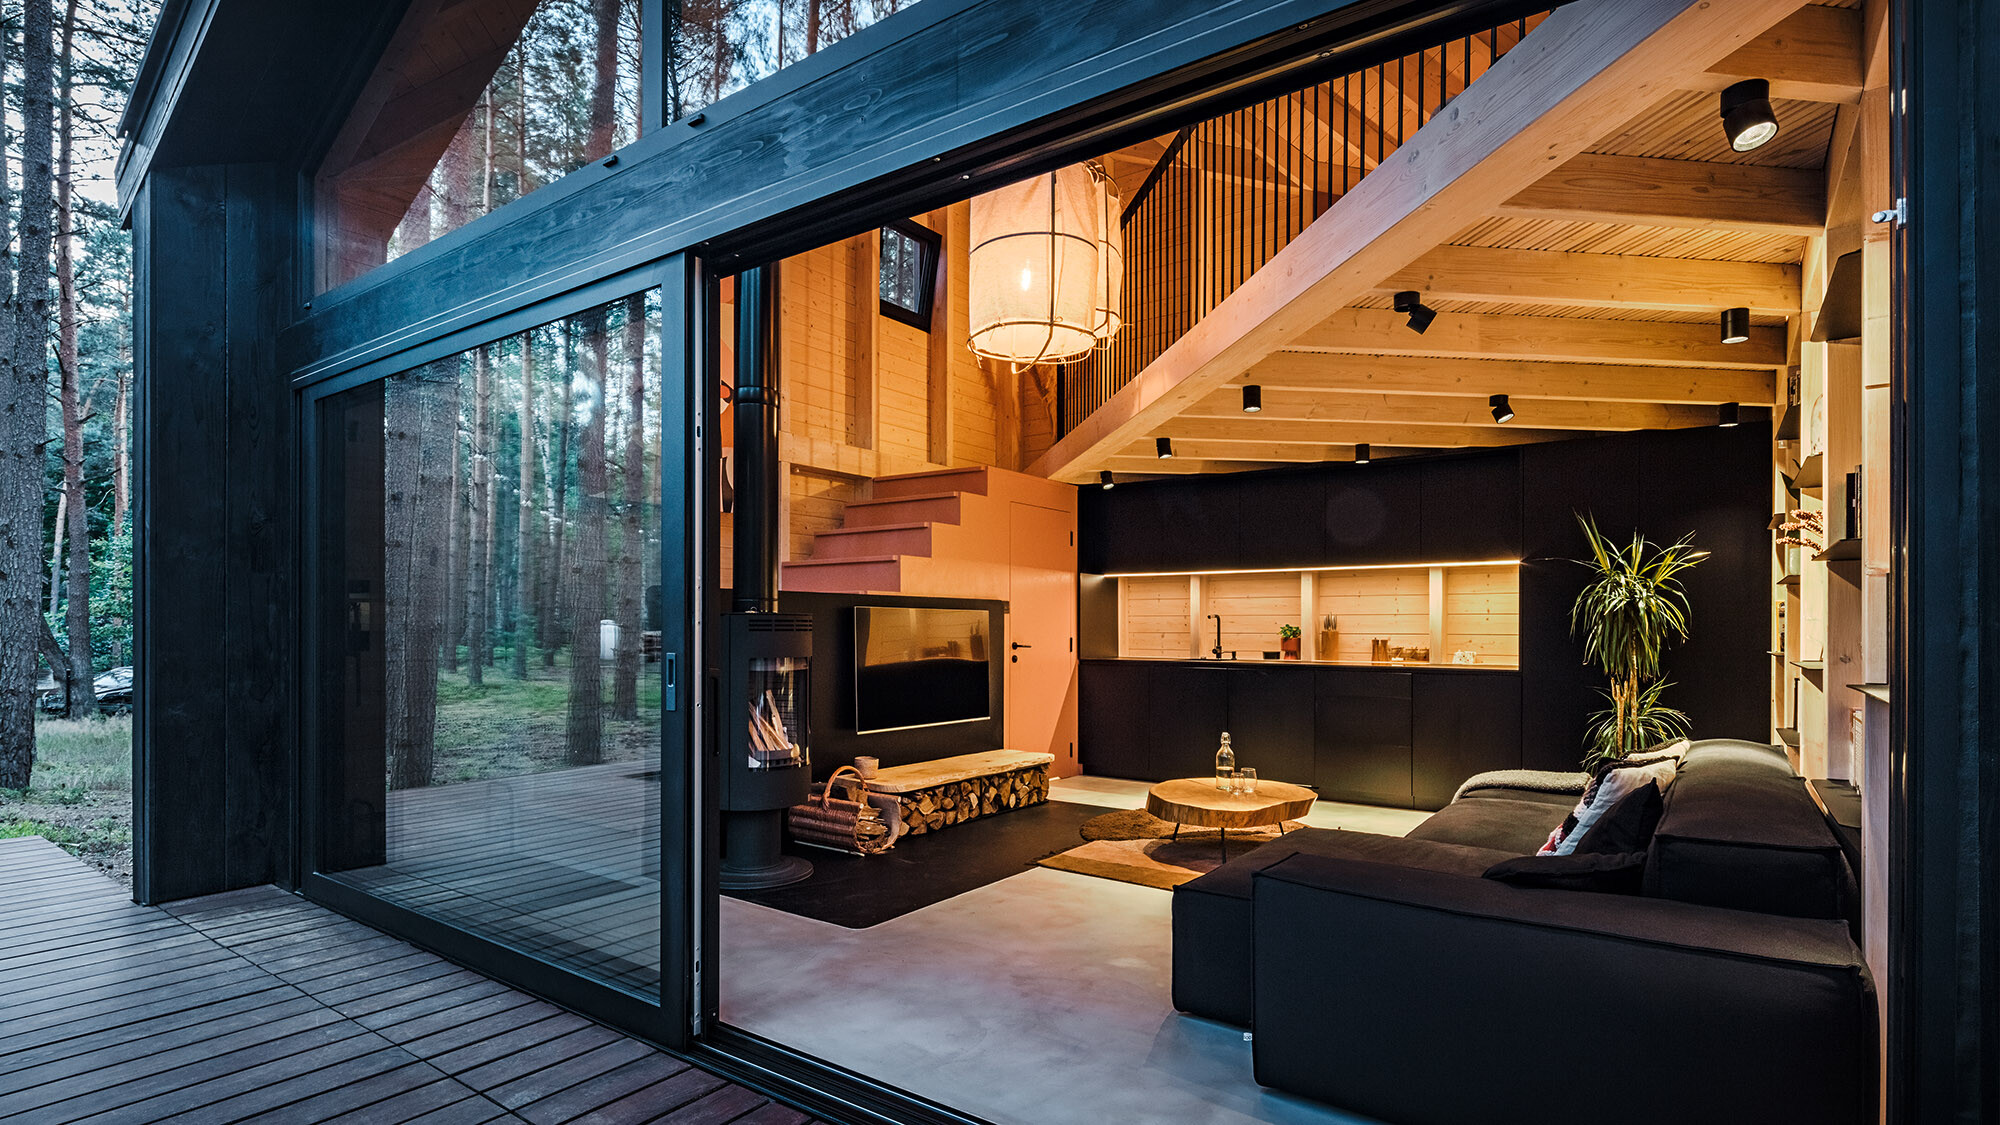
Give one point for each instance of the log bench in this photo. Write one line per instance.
(948, 791)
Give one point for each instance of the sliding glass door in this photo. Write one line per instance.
(501, 612)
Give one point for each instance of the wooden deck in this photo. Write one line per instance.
(259, 1006)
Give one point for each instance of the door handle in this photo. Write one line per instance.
(1018, 644)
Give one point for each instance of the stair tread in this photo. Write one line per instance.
(845, 562)
(945, 472)
(880, 527)
(903, 499)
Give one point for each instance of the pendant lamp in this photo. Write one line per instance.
(1110, 257)
(1033, 268)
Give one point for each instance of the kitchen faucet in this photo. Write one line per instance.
(1218, 634)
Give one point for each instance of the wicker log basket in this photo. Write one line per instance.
(857, 822)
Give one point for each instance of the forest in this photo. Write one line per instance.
(515, 580)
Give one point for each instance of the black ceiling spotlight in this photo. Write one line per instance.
(1164, 447)
(1253, 398)
(1746, 114)
(1104, 480)
(1729, 414)
(1735, 325)
(1410, 301)
(1502, 413)
(1361, 453)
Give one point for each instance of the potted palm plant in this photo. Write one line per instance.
(1633, 608)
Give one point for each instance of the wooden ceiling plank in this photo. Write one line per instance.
(1284, 432)
(1411, 376)
(1651, 191)
(1607, 281)
(1588, 67)
(1554, 338)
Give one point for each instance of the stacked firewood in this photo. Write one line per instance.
(959, 801)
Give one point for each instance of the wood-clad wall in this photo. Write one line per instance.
(868, 396)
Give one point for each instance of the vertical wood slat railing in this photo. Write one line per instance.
(1230, 192)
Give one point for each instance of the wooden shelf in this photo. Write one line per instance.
(1812, 667)
(1812, 474)
(1789, 580)
(1877, 692)
(1789, 735)
(1840, 550)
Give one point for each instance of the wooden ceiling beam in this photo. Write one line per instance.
(1554, 338)
(1597, 281)
(1332, 443)
(1812, 55)
(1587, 67)
(1406, 376)
(1649, 191)
(1312, 407)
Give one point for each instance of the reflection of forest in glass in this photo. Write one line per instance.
(520, 553)
(482, 102)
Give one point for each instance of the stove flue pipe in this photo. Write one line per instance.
(755, 411)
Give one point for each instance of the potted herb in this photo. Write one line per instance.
(1633, 608)
(1288, 641)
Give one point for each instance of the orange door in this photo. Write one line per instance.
(1041, 635)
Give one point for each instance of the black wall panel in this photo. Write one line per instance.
(1520, 502)
(834, 741)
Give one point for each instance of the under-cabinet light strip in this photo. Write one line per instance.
(1308, 569)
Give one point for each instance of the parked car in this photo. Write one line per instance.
(113, 688)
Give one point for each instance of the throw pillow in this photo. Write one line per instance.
(1611, 787)
(1619, 873)
(1625, 827)
(1675, 749)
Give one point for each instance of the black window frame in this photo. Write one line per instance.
(930, 247)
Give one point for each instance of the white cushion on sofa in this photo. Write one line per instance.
(1616, 783)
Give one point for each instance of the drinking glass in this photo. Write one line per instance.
(1246, 781)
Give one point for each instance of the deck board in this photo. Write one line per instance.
(256, 1006)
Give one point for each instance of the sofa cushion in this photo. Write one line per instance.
(1507, 823)
(1211, 915)
(1610, 787)
(1741, 831)
(1613, 873)
(1627, 827)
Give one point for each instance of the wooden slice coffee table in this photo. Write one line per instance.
(1196, 801)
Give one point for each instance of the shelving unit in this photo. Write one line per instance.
(1442, 608)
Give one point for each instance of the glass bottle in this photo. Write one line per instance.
(1225, 766)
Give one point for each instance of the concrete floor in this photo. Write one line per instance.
(1039, 999)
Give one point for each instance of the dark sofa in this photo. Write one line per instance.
(1385, 975)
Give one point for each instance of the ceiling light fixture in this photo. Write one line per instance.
(1502, 413)
(1164, 447)
(1253, 398)
(1104, 480)
(1361, 453)
(1735, 325)
(1747, 116)
(1729, 414)
(1410, 301)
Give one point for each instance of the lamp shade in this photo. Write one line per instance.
(1033, 268)
(1110, 258)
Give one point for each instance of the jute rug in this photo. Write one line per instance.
(1133, 846)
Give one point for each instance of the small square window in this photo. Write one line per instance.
(909, 273)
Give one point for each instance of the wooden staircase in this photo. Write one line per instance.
(941, 533)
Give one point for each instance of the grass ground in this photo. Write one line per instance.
(81, 793)
(80, 796)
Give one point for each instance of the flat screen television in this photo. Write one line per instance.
(920, 667)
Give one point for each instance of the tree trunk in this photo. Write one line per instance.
(524, 533)
(584, 587)
(421, 448)
(83, 698)
(632, 534)
(479, 528)
(559, 505)
(58, 535)
(23, 391)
